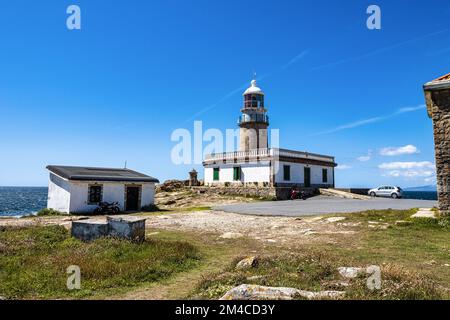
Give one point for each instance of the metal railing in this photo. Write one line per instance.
(267, 152)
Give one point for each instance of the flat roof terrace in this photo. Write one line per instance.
(269, 154)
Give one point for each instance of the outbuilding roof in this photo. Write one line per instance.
(439, 83)
(99, 174)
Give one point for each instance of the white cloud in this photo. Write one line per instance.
(406, 165)
(396, 151)
(430, 180)
(410, 173)
(343, 167)
(364, 122)
(409, 170)
(363, 158)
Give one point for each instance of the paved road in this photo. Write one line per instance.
(322, 205)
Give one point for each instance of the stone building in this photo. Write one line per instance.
(437, 96)
(255, 164)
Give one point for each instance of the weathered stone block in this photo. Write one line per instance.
(88, 230)
(131, 228)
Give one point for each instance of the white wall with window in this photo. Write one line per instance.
(319, 175)
(238, 173)
(84, 196)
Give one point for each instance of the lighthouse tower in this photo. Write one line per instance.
(253, 122)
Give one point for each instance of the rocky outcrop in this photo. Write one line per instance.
(171, 185)
(254, 292)
(350, 272)
(231, 235)
(247, 263)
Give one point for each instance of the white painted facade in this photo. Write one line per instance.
(297, 173)
(250, 172)
(260, 172)
(71, 196)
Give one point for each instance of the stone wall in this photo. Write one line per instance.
(263, 192)
(269, 193)
(438, 102)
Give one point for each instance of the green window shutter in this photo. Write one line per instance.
(287, 173)
(237, 173)
(324, 175)
(216, 174)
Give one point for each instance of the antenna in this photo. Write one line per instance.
(125, 164)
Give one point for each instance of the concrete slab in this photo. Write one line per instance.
(424, 213)
(323, 205)
(123, 227)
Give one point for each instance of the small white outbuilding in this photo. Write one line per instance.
(81, 189)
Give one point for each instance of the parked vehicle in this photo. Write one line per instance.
(297, 194)
(107, 208)
(386, 191)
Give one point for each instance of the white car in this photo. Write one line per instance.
(386, 191)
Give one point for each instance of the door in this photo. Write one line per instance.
(307, 177)
(382, 192)
(132, 200)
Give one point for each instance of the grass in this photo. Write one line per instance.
(33, 263)
(49, 212)
(422, 245)
(316, 272)
(412, 257)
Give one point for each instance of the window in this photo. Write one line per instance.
(95, 194)
(324, 175)
(237, 173)
(216, 174)
(287, 173)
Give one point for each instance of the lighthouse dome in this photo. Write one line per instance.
(253, 89)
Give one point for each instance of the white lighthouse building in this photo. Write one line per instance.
(256, 164)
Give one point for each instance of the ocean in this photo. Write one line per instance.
(421, 195)
(23, 201)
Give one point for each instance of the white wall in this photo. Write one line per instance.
(297, 173)
(112, 192)
(260, 172)
(58, 194)
(148, 194)
(72, 196)
(250, 172)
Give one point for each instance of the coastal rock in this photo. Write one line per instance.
(254, 278)
(335, 219)
(255, 292)
(231, 235)
(350, 272)
(247, 263)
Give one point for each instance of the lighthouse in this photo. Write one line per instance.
(273, 171)
(254, 121)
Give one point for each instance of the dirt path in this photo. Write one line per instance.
(265, 229)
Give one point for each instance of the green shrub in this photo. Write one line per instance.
(49, 212)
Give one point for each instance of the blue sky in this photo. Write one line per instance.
(137, 70)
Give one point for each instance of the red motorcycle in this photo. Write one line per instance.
(297, 194)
